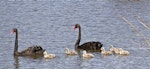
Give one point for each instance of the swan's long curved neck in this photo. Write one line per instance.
(16, 44)
(79, 38)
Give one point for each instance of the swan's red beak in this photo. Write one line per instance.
(12, 32)
(74, 27)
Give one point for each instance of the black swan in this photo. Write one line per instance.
(92, 46)
(30, 51)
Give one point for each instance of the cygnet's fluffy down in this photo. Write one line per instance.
(124, 52)
(87, 55)
(103, 52)
(68, 52)
(114, 49)
(48, 56)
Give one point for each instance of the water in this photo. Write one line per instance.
(49, 23)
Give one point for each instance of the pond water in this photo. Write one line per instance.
(49, 23)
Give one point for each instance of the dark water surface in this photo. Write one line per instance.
(49, 23)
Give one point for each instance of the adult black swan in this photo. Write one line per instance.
(91, 46)
(30, 51)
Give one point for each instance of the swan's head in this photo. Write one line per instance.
(13, 30)
(76, 26)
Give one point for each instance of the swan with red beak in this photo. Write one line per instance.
(30, 51)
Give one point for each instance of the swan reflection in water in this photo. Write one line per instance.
(16, 59)
(16, 63)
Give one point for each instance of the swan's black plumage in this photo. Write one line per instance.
(93, 46)
(30, 51)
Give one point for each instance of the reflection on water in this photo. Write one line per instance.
(50, 25)
(16, 64)
(16, 59)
